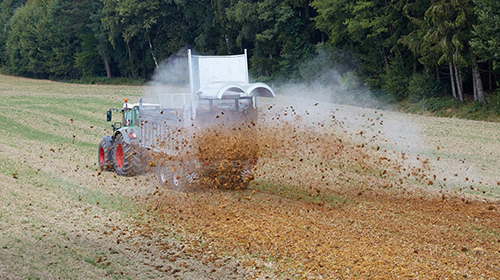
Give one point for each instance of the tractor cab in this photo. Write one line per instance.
(130, 116)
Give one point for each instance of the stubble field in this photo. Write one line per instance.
(340, 192)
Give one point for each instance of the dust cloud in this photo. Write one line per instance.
(171, 77)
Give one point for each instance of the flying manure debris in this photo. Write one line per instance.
(214, 136)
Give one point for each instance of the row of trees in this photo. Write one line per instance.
(405, 48)
(401, 42)
(68, 38)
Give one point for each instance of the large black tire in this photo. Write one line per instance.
(105, 156)
(127, 158)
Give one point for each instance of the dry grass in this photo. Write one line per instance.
(60, 217)
(340, 192)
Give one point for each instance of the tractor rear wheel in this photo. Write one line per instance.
(105, 156)
(127, 158)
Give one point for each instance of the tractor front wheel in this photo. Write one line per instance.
(127, 158)
(105, 156)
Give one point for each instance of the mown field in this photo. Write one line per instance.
(341, 192)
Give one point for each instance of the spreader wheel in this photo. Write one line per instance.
(246, 176)
(175, 175)
(163, 173)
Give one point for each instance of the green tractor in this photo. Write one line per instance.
(120, 152)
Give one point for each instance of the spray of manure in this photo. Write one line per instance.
(304, 147)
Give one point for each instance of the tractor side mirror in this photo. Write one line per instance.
(108, 115)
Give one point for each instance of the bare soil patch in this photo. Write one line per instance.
(327, 204)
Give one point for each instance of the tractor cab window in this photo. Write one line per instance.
(129, 117)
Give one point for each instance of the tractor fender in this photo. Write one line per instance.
(108, 140)
(125, 133)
